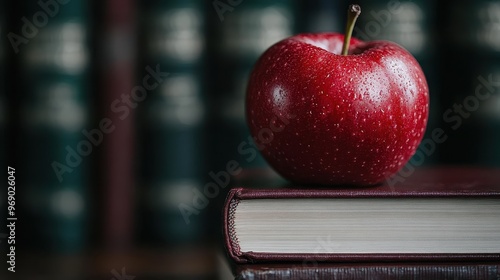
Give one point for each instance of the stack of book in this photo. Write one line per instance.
(438, 223)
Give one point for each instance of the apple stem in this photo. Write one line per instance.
(352, 15)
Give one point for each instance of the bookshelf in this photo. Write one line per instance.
(96, 206)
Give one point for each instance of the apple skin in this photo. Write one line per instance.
(350, 120)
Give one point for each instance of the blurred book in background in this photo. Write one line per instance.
(471, 99)
(116, 186)
(170, 122)
(53, 153)
(169, 138)
(410, 24)
(238, 36)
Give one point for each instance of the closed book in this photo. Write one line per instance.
(372, 271)
(440, 214)
(116, 70)
(170, 122)
(53, 152)
(237, 36)
(470, 99)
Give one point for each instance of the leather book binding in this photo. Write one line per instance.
(424, 183)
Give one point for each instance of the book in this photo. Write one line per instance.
(439, 214)
(53, 151)
(170, 122)
(237, 36)
(469, 101)
(116, 55)
(386, 271)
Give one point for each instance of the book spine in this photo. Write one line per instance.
(410, 24)
(117, 78)
(385, 271)
(231, 241)
(171, 121)
(53, 59)
(470, 100)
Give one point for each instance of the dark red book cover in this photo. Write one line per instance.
(486, 271)
(117, 79)
(445, 182)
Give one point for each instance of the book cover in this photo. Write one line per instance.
(380, 271)
(454, 188)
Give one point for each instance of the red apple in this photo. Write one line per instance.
(352, 119)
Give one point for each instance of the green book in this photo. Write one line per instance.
(237, 37)
(470, 101)
(53, 151)
(170, 122)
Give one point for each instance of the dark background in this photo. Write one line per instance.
(128, 166)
